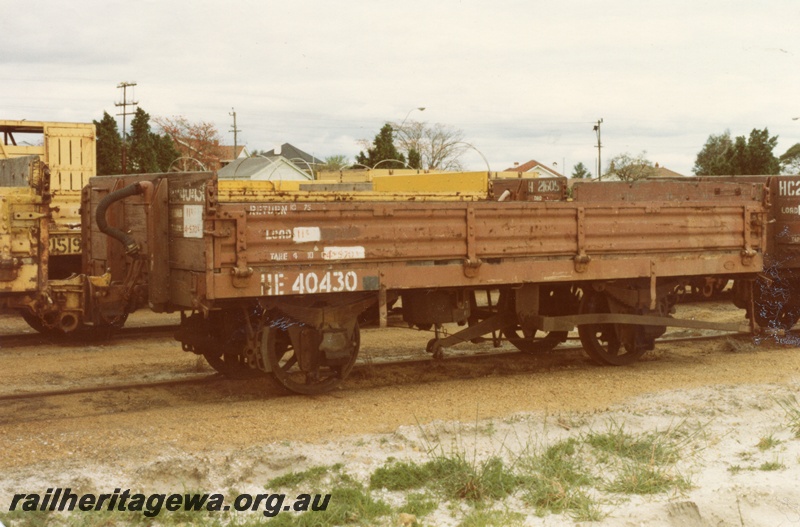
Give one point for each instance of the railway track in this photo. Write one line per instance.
(365, 362)
(20, 340)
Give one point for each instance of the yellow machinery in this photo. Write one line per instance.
(23, 230)
(69, 151)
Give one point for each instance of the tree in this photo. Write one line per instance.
(579, 171)
(142, 157)
(334, 163)
(109, 146)
(414, 159)
(758, 157)
(790, 161)
(438, 146)
(200, 141)
(722, 155)
(166, 153)
(383, 149)
(626, 167)
(716, 156)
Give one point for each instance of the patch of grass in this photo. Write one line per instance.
(791, 408)
(28, 518)
(348, 505)
(491, 518)
(310, 476)
(767, 442)
(553, 479)
(400, 475)
(656, 448)
(452, 474)
(735, 469)
(419, 504)
(460, 479)
(640, 478)
(584, 509)
(771, 465)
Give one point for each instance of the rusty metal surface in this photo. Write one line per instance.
(201, 250)
(683, 189)
(273, 249)
(783, 220)
(151, 220)
(529, 189)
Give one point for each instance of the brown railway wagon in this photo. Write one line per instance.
(278, 285)
(777, 304)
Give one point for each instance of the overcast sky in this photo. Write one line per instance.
(522, 79)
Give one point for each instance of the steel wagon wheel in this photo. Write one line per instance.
(525, 340)
(308, 377)
(601, 341)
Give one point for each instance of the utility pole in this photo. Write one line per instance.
(125, 112)
(599, 163)
(235, 133)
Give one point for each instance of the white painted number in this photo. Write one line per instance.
(327, 282)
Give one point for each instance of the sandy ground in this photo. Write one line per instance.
(223, 434)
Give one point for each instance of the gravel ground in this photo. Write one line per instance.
(224, 434)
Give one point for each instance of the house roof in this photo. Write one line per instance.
(226, 152)
(291, 152)
(258, 168)
(665, 172)
(531, 165)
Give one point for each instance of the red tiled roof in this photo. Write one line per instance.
(530, 165)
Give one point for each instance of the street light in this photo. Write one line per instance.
(599, 163)
(421, 108)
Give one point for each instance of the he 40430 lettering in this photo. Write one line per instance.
(275, 284)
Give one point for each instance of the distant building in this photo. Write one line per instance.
(228, 153)
(534, 169)
(295, 155)
(665, 172)
(263, 168)
(638, 171)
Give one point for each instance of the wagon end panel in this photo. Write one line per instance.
(191, 202)
(785, 235)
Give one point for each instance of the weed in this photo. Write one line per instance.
(552, 480)
(400, 475)
(419, 504)
(310, 476)
(640, 478)
(348, 504)
(656, 448)
(456, 477)
(792, 409)
(28, 518)
(767, 442)
(491, 518)
(771, 465)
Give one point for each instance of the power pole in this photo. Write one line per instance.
(125, 112)
(599, 163)
(235, 133)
